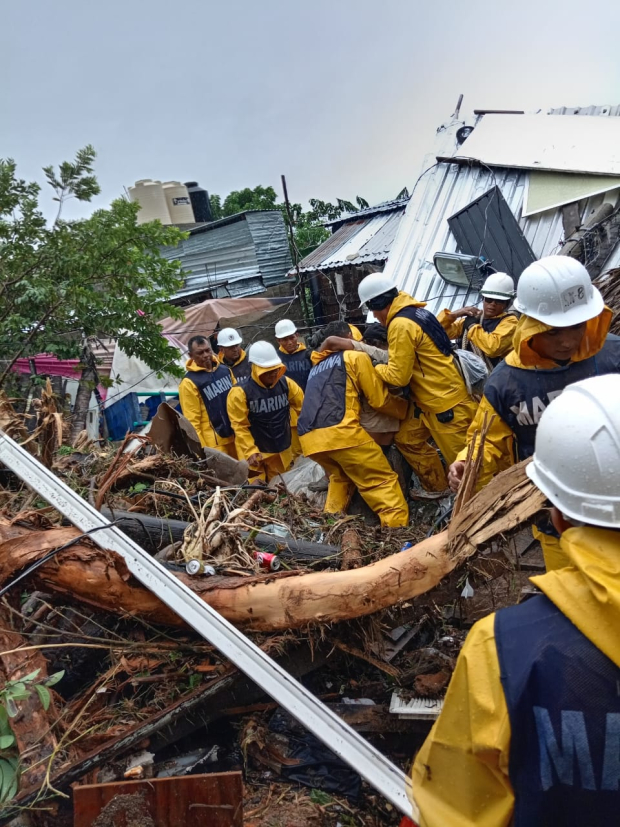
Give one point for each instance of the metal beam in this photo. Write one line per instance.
(344, 741)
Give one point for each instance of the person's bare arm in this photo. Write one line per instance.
(336, 343)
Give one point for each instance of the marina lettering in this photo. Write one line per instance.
(216, 388)
(330, 362)
(274, 403)
(523, 414)
(561, 757)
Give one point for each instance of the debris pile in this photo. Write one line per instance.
(103, 682)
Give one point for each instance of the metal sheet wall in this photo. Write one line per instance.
(444, 190)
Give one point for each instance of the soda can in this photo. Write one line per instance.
(266, 560)
(406, 546)
(196, 567)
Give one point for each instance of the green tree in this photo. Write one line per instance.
(259, 198)
(216, 206)
(61, 286)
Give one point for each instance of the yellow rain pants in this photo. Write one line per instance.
(366, 468)
(450, 437)
(271, 466)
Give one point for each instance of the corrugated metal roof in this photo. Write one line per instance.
(246, 249)
(364, 240)
(314, 259)
(443, 190)
(384, 206)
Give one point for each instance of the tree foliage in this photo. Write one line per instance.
(102, 276)
(308, 225)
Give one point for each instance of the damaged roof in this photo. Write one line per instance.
(366, 236)
(240, 255)
(445, 188)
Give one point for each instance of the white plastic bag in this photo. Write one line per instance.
(474, 371)
(304, 472)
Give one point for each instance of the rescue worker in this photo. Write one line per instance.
(529, 732)
(561, 338)
(331, 434)
(488, 332)
(203, 393)
(295, 355)
(260, 413)
(232, 354)
(420, 355)
(296, 359)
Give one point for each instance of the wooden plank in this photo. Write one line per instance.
(215, 799)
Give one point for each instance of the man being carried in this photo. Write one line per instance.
(260, 413)
(331, 434)
(560, 338)
(420, 355)
(381, 427)
(232, 354)
(203, 393)
(529, 732)
(488, 332)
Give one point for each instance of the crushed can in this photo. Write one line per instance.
(267, 560)
(196, 567)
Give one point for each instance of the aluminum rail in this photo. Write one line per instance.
(344, 741)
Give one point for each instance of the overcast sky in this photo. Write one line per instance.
(343, 96)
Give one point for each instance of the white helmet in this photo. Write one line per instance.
(284, 328)
(228, 336)
(498, 286)
(577, 458)
(374, 285)
(557, 290)
(264, 355)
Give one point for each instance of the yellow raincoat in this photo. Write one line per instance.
(349, 454)
(272, 464)
(356, 333)
(499, 447)
(495, 344)
(460, 775)
(194, 409)
(436, 387)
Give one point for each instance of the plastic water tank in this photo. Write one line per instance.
(179, 203)
(200, 201)
(151, 197)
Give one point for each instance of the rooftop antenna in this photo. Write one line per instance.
(458, 107)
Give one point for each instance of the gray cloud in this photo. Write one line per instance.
(343, 96)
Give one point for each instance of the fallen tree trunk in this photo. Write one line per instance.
(285, 600)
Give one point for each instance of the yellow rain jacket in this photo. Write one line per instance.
(194, 409)
(435, 381)
(361, 379)
(499, 447)
(495, 344)
(460, 775)
(238, 412)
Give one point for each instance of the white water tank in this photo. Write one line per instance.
(179, 203)
(152, 199)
